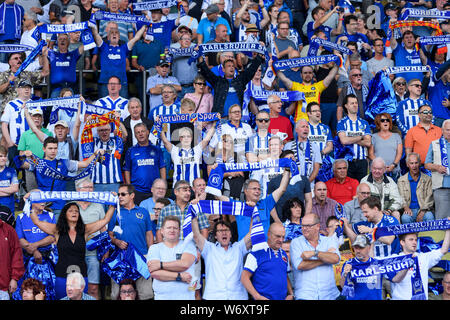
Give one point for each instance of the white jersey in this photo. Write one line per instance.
(186, 163)
(120, 105)
(13, 114)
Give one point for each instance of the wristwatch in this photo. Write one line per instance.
(178, 278)
(316, 253)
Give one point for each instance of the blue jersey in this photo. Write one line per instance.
(8, 176)
(144, 163)
(134, 223)
(321, 134)
(438, 91)
(310, 31)
(404, 57)
(408, 113)
(381, 250)
(162, 31)
(360, 127)
(367, 286)
(63, 66)
(269, 272)
(113, 62)
(26, 229)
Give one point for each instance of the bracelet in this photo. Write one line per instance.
(161, 265)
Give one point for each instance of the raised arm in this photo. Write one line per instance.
(46, 227)
(283, 185)
(99, 224)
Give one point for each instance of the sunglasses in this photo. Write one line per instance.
(357, 75)
(401, 83)
(417, 85)
(263, 120)
(200, 83)
(123, 194)
(384, 120)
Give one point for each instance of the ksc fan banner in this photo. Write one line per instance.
(228, 46)
(234, 208)
(10, 48)
(153, 5)
(307, 61)
(316, 42)
(420, 13)
(106, 198)
(415, 227)
(184, 117)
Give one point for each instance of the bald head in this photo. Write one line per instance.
(275, 236)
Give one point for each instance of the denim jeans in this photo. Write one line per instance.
(406, 218)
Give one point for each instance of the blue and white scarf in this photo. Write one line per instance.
(152, 5)
(285, 96)
(375, 267)
(184, 117)
(307, 61)
(444, 154)
(118, 17)
(228, 46)
(106, 198)
(215, 180)
(414, 227)
(17, 19)
(420, 13)
(10, 48)
(317, 42)
(401, 69)
(86, 35)
(33, 54)
(434, 40)
(67, 103)
(43, 168)
(228, 208)
(181, 52)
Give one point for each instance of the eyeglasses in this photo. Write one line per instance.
(200, 83)
(417, 85)
(157, 209)
(426, 112)
(131, 291)
(307, 226)
(384, 120)
(123, 194)
(357, 75)
(365, 193)
(263, 120)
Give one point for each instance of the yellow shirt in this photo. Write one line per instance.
(312, 94)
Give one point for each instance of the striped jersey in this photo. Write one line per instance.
(258, 145)
(320, 134)
(186, 163)
(120, 104)
(306, 154)
(407, 115)
(111, 172)
(13, 114)
(360, 127)
(164, 110)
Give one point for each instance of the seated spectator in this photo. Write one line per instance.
(439, 172)
(352, 208)
(128, 290)
(415, 187)
(32, 289)
(171, 263)
(418, 139)
(293, 212)
(341, 187)
(75, 287)
(384, 187)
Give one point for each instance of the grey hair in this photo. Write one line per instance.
(413, 154)
(247, 183)
(77, 276)
(135, 100)
(379, 159)
(80, 182)
(339, 160)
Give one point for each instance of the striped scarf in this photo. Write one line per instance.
(17, 19)
(400, 24)
(229, 208)
(87, 137)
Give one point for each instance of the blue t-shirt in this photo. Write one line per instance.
(134, 223)
(264, 206)
(381, 250)
(63, 66)
(10, 21)
(113, 62)
(437, 93)
(8, 176)
(206, 28)
(144, 164)
(162, 31)
(413, 184)
(269, 272)
(147, 54)
(310, 31)
(232, 98)
(404, 57)
(26, 229)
